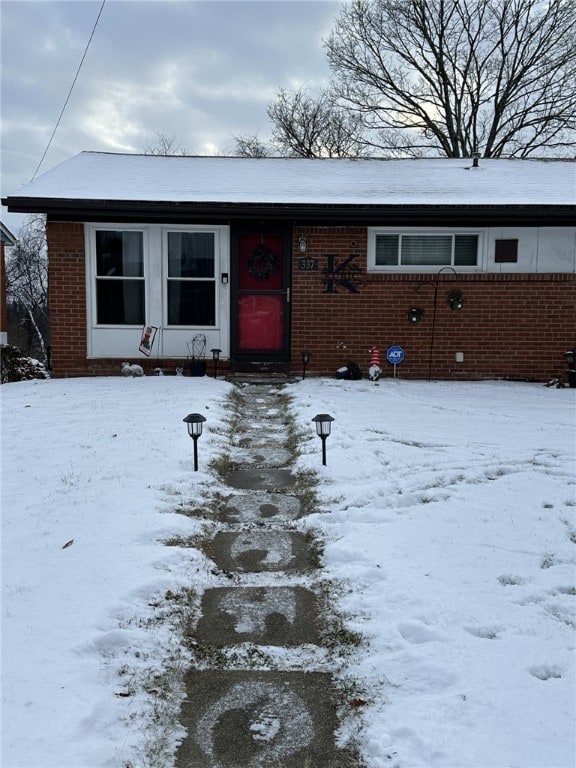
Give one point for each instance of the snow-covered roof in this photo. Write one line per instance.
(6, 236)
(150, 178)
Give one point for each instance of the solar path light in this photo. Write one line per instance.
(215, 358)
(306, 356)
(194, 422)
(323, 426)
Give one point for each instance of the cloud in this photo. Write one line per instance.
(201, 71)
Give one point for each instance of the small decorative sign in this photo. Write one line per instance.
(308, 265)
(147, 339)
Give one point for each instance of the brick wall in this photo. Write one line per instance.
(512, 326)
(67, 295)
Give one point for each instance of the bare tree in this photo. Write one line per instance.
(304, 126)
(164, 144)
(250, 146)
(27, 281)
(447, 77)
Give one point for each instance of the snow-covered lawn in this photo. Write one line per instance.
(448, 511)
(454, 522)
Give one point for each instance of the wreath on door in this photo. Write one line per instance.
(262, 263)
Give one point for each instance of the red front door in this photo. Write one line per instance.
(262, 297)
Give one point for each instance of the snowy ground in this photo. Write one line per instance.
(448, 511)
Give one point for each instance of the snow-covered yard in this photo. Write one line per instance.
(454, 522)
(448, 511)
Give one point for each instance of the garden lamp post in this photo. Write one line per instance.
(571, 372)
(305, 360)
(194, 422)
(455, 301)
(323, 423)
(215, 358)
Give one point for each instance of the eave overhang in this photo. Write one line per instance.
(6, 236)
(317, 214)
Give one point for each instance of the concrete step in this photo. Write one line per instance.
(260, 720)
(259, 507)
(258, 551)
(259, 478)
(281, 616)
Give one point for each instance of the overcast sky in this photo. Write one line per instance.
(201, 71)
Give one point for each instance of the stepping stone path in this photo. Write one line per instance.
(250, 718)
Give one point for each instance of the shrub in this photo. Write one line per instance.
(15, 367)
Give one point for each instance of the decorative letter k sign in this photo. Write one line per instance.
(344, 275)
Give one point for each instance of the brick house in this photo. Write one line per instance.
(469, 266)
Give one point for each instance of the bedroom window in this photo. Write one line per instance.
(119, 277)
(191, 282)
(414, 250)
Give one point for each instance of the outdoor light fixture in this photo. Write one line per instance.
(569, 357)
(323, 426)
(306, 356)
(194, 422)
(455, 300)
(415, 314)
(303, 243)
(215, 358)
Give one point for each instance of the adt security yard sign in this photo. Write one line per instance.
(394, 355)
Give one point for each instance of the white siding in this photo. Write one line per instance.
(540, 249)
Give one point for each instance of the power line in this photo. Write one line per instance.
(70, 90)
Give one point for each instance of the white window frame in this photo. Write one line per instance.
(423, 231)
(215, 231)
(93, 277)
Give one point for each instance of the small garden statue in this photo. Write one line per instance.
(375, 369)
(196, 353)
